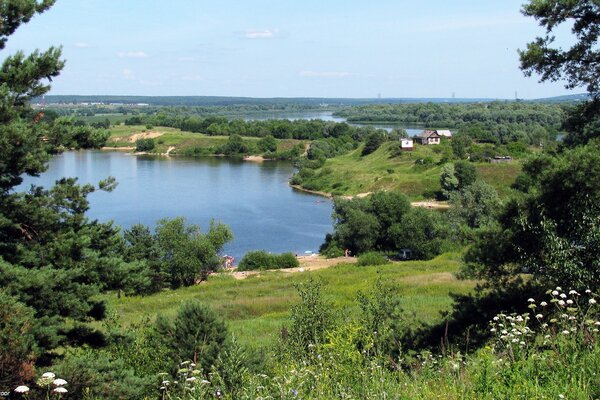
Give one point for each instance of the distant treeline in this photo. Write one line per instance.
(278, 128)
(456, 115)
(228, 101)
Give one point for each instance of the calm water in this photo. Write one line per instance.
(253, 199)
(326, 116)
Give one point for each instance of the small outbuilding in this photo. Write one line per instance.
(500, 159)
(405, 254)
(406, 144)
(428, 137)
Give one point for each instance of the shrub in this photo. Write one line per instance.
(144, 145)
(254, 260)
(196, 334)
(372, 258)
(261, 260)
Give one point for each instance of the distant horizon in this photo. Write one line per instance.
(375, 99)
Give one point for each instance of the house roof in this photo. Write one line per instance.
(427, 134)
(444, 132)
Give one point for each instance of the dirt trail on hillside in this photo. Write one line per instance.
(431, 204)
(143, 135)
(307, 263)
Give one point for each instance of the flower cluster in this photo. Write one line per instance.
(566, 314)
(48, 381)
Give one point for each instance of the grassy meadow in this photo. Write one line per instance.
(122, 136)
(351, 174)
(256, 307)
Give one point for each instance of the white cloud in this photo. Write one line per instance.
(81, 45)
(132, 54)
(261, 34)
(327, 74)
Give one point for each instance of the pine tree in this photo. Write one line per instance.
(53, 260)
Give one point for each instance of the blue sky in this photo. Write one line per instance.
(288, 48)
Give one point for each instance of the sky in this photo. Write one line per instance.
(289, 48)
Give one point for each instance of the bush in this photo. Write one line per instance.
(196, 334)
(261, 260)
(144, 145)
(372, 258)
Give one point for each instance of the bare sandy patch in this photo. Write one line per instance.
(307, 263)
(144, 135)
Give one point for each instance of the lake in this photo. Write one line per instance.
(325, 116)
(254, 199)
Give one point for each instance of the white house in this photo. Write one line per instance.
(428, 137)
(406, 144)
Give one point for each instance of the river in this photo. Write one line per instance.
(254, 199)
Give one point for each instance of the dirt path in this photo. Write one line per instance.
(307, 263)
(431, 204)
(169, 150)
(143, 135)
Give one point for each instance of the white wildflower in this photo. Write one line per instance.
(539, 316)
(530, 300)
(48, 375)
(565, 332)
(554, 293)
(561, 303)
(592, 301)
(558, 288)
(59, 382)
(573, 292)
(588, 291)
(22, 389)
(60, 389)
(563, 296)
(543, 304)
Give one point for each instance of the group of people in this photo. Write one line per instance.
(228, 261)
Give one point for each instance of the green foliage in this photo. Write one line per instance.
(145, 144)
(372, 258)
(552, 230)
(261, 260)
(465, 172)
(383, 319)
(236, 145)
(475, 206)
(17, 342)
(95, 374)
(374, 140)
(267, 144)
(422, 231)
(577, 64)
(448, 180)
(309, 320)
(176, 255)
(196, 334)
(361, 225)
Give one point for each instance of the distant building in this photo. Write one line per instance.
(500, 159)
(444, 133)
(428, 137)
(407, 144)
